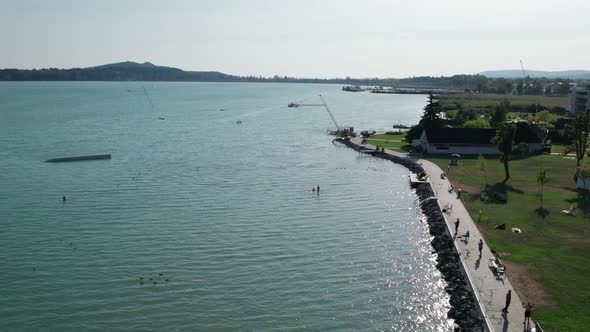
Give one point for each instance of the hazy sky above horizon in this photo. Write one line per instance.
(303, 38)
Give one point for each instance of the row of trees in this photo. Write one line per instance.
(132, 71)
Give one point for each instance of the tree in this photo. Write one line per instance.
(542, 178)
(479, 123)
(520, 88)
(483, 167)
(430, 118)
(464, 115)
(414, 133)
(504, 139)
(578, 132)
(544, 120)
(563, 88)
(432, 110)
(522, 148)
(547, 90)
(533, 88)
(500, 112)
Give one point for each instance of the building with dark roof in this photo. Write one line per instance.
(478, 140)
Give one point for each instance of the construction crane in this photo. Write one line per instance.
(339, 130)
(523, 72)
(524, 85)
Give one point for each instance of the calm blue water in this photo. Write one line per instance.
(223, 211)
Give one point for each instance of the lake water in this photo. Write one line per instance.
(216, 216)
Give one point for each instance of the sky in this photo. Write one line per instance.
(301, 38)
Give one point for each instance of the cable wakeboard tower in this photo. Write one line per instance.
(342, 131)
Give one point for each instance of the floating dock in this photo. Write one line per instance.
(79, 158)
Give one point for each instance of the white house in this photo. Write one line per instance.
(477, 140)
(459, 140)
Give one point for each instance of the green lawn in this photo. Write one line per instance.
(555, 247)
(556, 148)
(393, 142)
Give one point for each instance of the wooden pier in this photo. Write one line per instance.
(79, 158)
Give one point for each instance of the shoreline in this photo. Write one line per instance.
(465, 311)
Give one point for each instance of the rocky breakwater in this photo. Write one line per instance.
(464, 309)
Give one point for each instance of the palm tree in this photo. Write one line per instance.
(579, 131)
(542, 178)
(504, 139)
(483, 168)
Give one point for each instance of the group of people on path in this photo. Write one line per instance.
(527, 309)
(466, 236)
(529, 306)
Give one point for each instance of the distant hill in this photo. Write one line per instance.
(134, 71)
(127, 65)
(121, 71)
(148, 72)
(515, 73)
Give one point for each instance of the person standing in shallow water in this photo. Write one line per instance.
(318, 189)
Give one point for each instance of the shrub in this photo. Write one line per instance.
(522, 148)
(413, 133)
(479, 123)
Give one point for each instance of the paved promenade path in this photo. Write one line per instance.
(491, 291)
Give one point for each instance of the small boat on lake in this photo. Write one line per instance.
(352, 88)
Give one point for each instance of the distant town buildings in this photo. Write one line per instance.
(580, 99)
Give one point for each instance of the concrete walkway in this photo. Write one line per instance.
(491, 291)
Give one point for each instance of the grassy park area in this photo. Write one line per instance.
(480, 100)
(550, 259)
(390, 141)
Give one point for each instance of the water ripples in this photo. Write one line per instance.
(227, 217)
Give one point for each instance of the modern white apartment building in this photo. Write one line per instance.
(580, 99)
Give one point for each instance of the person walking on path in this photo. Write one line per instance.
(527, 314)
(466, 236)
(508, 298)
(456, 227)
(480, 246)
